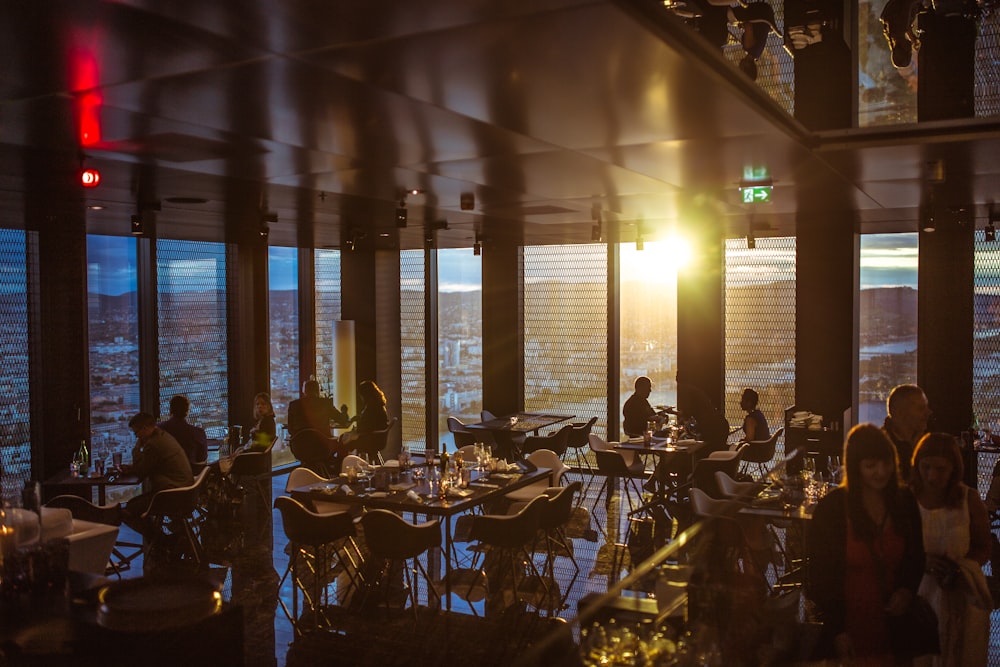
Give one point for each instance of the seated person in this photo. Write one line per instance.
(373, 416)
(314, 411)
(159, 461)
(754, 423)
(714, 17)
(192, 439)
(265, 429)
(637, 411)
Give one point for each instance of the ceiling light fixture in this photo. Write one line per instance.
(477, 247)
(138, 228)
(751, 239)
(990, 232)
(401, 214)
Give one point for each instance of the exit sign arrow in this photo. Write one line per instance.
(756, 194)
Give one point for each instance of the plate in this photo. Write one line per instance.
(162, 603)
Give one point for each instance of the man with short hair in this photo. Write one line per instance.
(159, 461)
(314, 411)
(637, 411)
(191, 438)
(906, 422)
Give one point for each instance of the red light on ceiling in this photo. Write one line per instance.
(90, 178)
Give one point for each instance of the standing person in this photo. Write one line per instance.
(866, 554)
(637, 411)
(159, 461)
(908, 413)
(264, 430)
(192, 439)
(313, 411)
(754, 423)
(956, 531)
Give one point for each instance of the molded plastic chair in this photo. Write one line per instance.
(555, 441)
(312, 450)
(543, 458)
(391, 538)
(760, 452)
(739, 536)
(253, 469)
(617, 464)
(511, 538)
(175, 512)
(579, 439)
(319, 544)
(300, 477)
(353, 461)
(703, 476)
(553, 521)
(734, 490)
(462, 435)
(371, 444)
(109, 515)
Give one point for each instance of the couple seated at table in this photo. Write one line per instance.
(316, 413)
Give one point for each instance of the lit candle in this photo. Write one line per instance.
(8, 540)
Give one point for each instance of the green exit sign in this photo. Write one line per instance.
(756, 194)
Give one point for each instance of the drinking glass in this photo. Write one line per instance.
(116, 460)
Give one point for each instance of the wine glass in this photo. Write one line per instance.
(835, 469)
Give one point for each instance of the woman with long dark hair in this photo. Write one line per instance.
(866, 555)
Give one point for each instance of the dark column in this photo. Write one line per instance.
(503, 345)
(388, 352)
(824, 69)
(701, 315)
(58, 358)
(944, 320)
(247, 286)
(945, 67)
(826, 279)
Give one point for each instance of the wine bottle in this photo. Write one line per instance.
(444, 458)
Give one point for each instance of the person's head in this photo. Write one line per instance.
(262, 405)
(749, 66)
(937, 468)
(142, 424)
(908, 408)
(180, 406)
(748, 400)
(370, 393)
(643, 386)
(870, 460)
(310, 388)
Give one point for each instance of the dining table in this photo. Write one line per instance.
(412, 494)
(508, 430)
(65, 482)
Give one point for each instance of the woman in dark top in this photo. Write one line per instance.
(754, 424)
(865, 552)
(373, 415)
(264, 430)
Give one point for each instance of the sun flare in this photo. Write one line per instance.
(658, 262)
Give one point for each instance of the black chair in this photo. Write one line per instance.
(556, 442)
(760, 452)
(462, 435)
(253, 469)
(579, 439)
(510, 538)
(109, 515)
(371, 444)
(319, 544)
(312, 449)
(703, 477)
(553, 521)
(174, 515)
(392, 539)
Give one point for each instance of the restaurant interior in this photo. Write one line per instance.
(222, 199)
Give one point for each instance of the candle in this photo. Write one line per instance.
(8, 540)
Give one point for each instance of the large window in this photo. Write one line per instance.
(191, 310)
(648, 324)
(887, 320)
(411, 329)
(283, 293)
(760, 326)
(327, 309)
(113, 330)
(565, 330)
(460, 336)
(986, 335)
(15, 438)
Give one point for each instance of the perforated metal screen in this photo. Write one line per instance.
(191, 308)
(760, 326)
(15, 421)
(987, 78)
(775, 68)
(986, 341)
(113, 332)
(565, 330)
(326, 268)
(411, 329)
(283, 321)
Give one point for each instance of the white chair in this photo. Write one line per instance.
(730, 488)
(543, 458)
(353, 461)
(632, 462)
(300, 477)
(617, 464)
